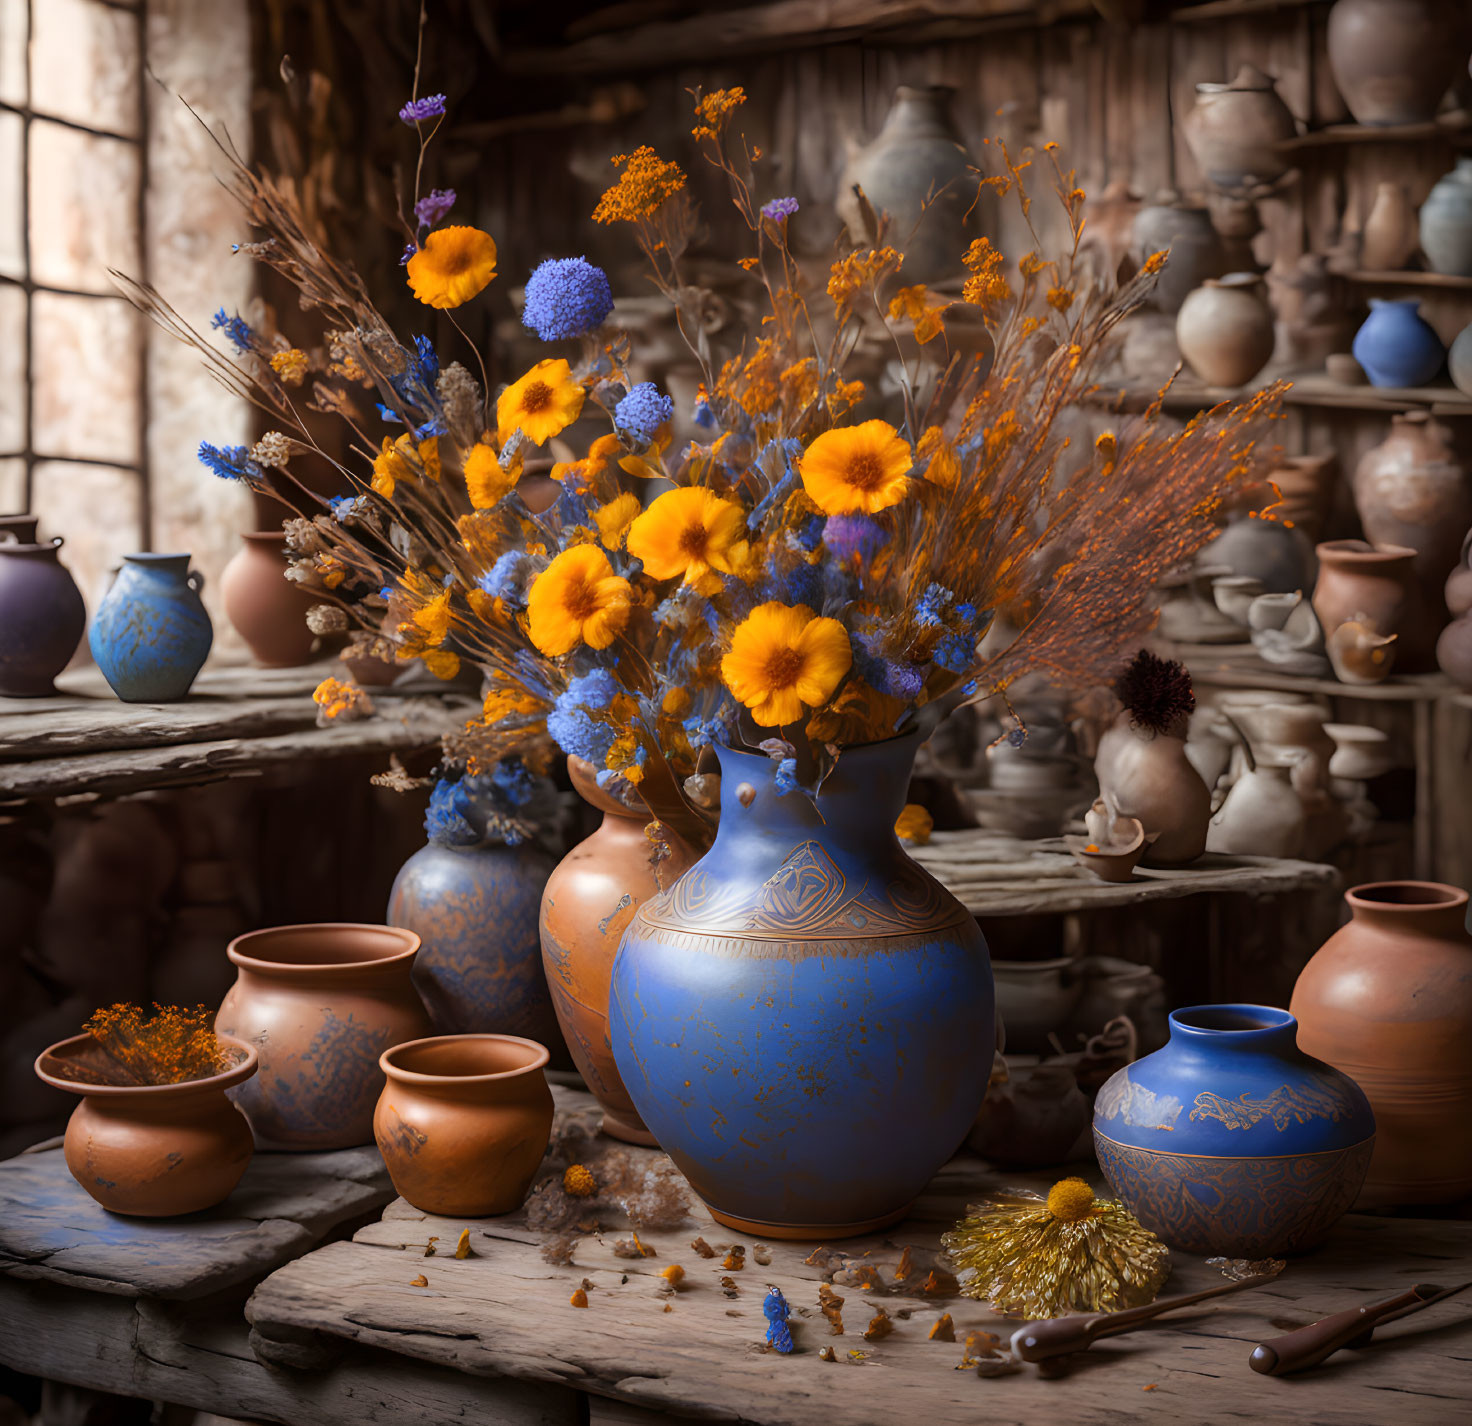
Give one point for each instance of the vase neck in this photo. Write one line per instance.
(1411, 908)
(1248, 1029)
(173, 569)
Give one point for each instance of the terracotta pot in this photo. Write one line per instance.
(321, 1003)
(152, 1151)
(1365, 584)
(268, 611)
(1195, 250)
(1148, 776)
(919, 172)
(1446, 222)
(41, 618)
(1359, 653)
(1234, 130)
(463, 1122)
(590, 899)
(1305, 490)
(1262, 816)
(1412, 490)
(1394, 59)
(1391, 232)
(1388, 1000)
(1225, 330)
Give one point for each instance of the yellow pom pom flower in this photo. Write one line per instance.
(452, 266)
(484, 478)
(579, 1182)
(542, 404)
(686, 533)
(784, 657)
(576, 600)
(857, 469)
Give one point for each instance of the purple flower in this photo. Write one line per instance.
(850, 535)
(409, 250)
(417, 110)
(433, 206)
(779, 210)
(566, 297)
(642, 412)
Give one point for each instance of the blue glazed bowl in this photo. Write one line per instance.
(1396, 346)
(1230, 1140)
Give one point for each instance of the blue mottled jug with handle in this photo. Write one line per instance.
(151, 633)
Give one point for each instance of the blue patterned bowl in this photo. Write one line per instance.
(1230, 1140)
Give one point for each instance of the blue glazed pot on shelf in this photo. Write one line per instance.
(1396, 346)
(805, 1019)
(1231, 1140)
(151, 634)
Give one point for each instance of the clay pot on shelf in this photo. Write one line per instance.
(1262, 815)
(1225, 330)
(1147, 775)
(1458, 588)
(1360, 752)
(1231, 1139)
(41, 616)
(267, 610)
(151, 633)
(1387, 999)
(1446, 222)
(1033, 999)
(1286, 634)
(1391, 232)
(1396, 346)
(1195, 250)
(1454, 647)
(1363, 597)
(1306, 490)
(1234, 130)
(322, 1003)
(1393, 59)
(1459, 361)
(1278, 555)
(156, 1150)
(1359, 653)
(589, 900)
(19, 529)
(463, 1122)
(1038, 1116)
(1343, 368)
(919, 172)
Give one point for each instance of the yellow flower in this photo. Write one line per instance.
(615, 518)
(845, 396)
(452, 266)
(442, 663)
(944, 468)
(687, 533)
(914, 824)
(578, 1182)
(507, 702)
(859, 272)
(290, 366)
(484, 478)
(857, 468)
(576, 600)
(644, 185)
(337, 700)
(395, 462)
(987, 286)
(784, 657)
(909, 304)
(542, 404)
(714, 109)
(434, 618)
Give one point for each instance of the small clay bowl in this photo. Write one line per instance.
(1110, 861)
(1343, 368)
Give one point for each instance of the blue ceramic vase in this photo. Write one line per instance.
(479, 967)
(1396, 346)
(805, 1019)
(1232, 1141)
(151, 634)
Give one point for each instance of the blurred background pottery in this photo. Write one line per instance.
(1459, 361)
(1033, 999)
(151, 634)
(1225, 330)
(463, 1122)
(1360, 752)
(1359, 653)
(1454, 647)
(267, 610)
(1195, 250)
(1234, 130)
(19, 529)
(41, 615)
(155, 1150)
(1305, 490)
(1231, 1140)
(1391, 232)
(1036, 1117)
(1262, 815)
(1279, 556)
(1343, 368)
(1147, 775)
(1446, 222)
(1387, 999)
(1369, 583)
(321, 1003)
(1392, 60)
(1396, 346)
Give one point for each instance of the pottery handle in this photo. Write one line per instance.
(195, 580)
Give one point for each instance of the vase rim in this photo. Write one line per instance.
(41, 547)
(535, 1059)
(1363, 552)
(1237, 1023)
(237, 1073)
(156, 557)
(1405, 898)
(264, 537)
(251, 951)
(584, 778)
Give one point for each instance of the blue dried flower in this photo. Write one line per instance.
(433, 206)
(704, 417)
(510, 578)
(418, 110)
(956, 652)
(850, 535)
(933, 605)
(779, 210)
(810, 535)
(448, 820)
(229, 462)
(776, 1311)
(409, 250)
(514, 782)
(575, 732)
(236, 328)
(567, 297)
(642, 412)
(786, 776)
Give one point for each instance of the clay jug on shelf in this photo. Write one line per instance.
(41, 617)
(1195, 250)
(151, 633)
(1454, 647)
(1225, 330)
(268, 611)
(1370, 583)
(1147, 775)
(1391, 233)
(1393, 59)
(1234, 130)
(1446, 222)
(1396, 346)
(1459, 360)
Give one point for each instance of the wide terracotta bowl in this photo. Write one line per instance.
(463, 1122)
(157, 1150)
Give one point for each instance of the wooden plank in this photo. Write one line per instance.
(505, 1310)
(1209, 667)
(1447, 280)
(52, 1231)
(1217, 10)
(1453, 128)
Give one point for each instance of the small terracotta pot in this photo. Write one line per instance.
(322, 1003)
(268, 611)
(1364, 582)
(463, 1122)
(1390, 234)
(156, 1150)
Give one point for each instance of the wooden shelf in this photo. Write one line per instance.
(1234, 9)
(1213, 666)
(1453, 128)
(1307, 389)
(1443, 280)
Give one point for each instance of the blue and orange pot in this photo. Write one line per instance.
(151, 634)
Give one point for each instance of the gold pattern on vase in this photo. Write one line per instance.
(1288, 1104)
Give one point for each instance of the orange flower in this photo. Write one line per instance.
(783, 657)
(686, 533)
(715, 109)
(452, 266)
(484, 478)
(862, 468)
(576, 600)
(542, 404)
(646, 183)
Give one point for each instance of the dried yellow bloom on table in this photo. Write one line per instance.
(462, 1248)
(578, 1181)
(943, 1330)
(339, 701)
(674, 1274)
(579, 1298)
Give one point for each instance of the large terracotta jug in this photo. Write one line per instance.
(268, 611)
(1394, 59)
(1388, 1000)
(590, 899)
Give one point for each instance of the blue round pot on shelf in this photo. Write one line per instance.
(805, 1019)
(151, 633)
(1230, 1140)
(1396, 346)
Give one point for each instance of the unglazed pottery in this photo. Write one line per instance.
(1231, 1140)
(1195, 250)
(1036, 1117)
(919, 172)
(1396, 346)
(320, 1003)
(463, 1122)
(1446, 222)
(266, 609)
(19, 529)
(1364, 582)
(589, 900)
(1033, 998)
(1459, 361)
(1359, 653)
(804, 1021)
(1262, 815)
(1147, 775)
(1305, 487)
(1360, 752)
(41, 617)
(151, 634)
(1391, 232)
(1279, 556)
(1387, 999)
(1225, 329)
(475, 909)
(152, 1151)
(1234, 130)
(1454, 647)
(1393, 59)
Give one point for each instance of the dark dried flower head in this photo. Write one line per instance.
(1156, 691)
